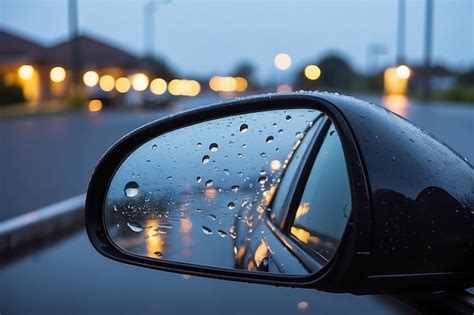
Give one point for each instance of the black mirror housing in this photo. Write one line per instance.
(412, 221)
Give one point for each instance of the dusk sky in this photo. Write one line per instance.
(211, 37)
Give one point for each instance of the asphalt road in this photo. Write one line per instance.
(46, 159)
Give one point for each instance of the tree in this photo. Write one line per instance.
(336, 73)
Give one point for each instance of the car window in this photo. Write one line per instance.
(325, 205)
(286, 183)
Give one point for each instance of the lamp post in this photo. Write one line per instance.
(428, 47)
(75, 51)
(149, 11)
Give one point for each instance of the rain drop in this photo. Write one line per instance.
(154, 147)
(209, 183)
(198, 179)
(235, 188)
(199, 144)
(131, 189)
(135, 227)
(213, 147)
(206, 230)
(205, 159)
(226, 172)
(231, 205)
(159, 254)
(263, 154)
(222, 233)
(288, 117)
(244, 128)
(262, 179)
(269, 139)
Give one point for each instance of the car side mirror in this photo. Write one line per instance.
(304, 190)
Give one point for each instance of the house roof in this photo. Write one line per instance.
(18, 48)
(94, 53)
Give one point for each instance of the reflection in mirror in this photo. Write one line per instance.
(197, 194)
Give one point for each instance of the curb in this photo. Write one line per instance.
(36, 226)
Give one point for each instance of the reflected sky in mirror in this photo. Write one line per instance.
(180, 196)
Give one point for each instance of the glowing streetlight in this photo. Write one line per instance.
(107, 83)
(312, 72)
(139, 82)
(90, 78)
(282, 61)
(95, 105)
(403, 72)
(122, 85)
(57, 74)
(158, 86)
(25, 72)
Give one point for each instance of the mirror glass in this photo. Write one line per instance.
(201, 194)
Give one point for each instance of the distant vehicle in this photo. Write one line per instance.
(312, 190)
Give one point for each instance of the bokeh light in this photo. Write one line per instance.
(282, 61)
(57, 74)
(107, 83)
(122, 85)
(284, 88)
(90, 78)
(25, 72)
(139, 82)
(312, 72)
(403, 72)
(95, 105)
(158, 86)
(241, 83)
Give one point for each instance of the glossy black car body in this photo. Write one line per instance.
(412, 223)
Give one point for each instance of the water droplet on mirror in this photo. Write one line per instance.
(269, 139)
(244, 128)
(235, 188)
(154, 147)
(262, 179)
(205, 159)
(240, 174)
(231, 205)
(213, 147)
(131, 189)
(135, 227)
(288, 117)
(206, 230)
(212, 217)
(198, 179)
(226, 172)
(244, 145)
(159, 254)
(199, 144)
(209, 183)
(263, 154)
(222, 233)
(233, 235)
(169, 177)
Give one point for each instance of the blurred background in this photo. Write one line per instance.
(76, 75)
(58, 55)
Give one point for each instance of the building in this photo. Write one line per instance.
(45, 73)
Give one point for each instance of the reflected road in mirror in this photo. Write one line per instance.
(182, 195)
